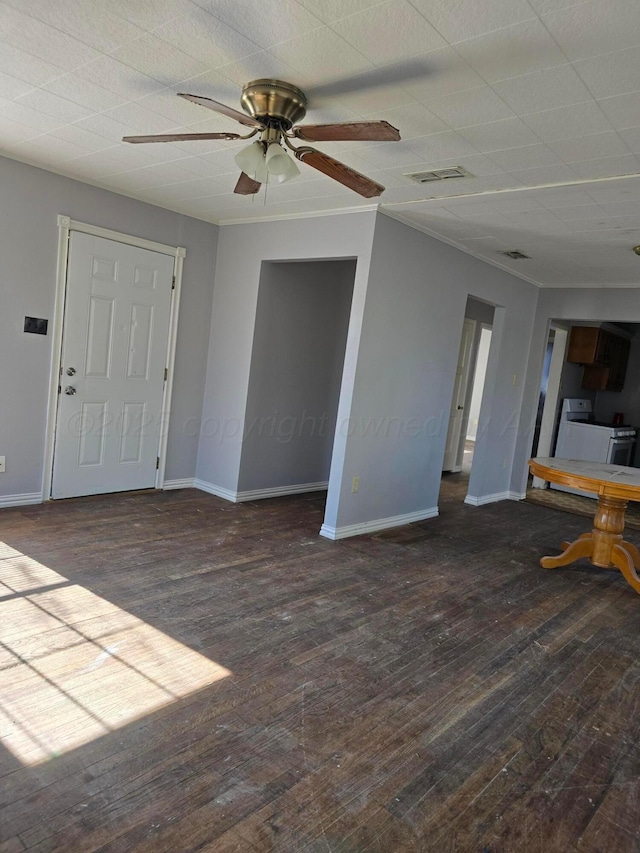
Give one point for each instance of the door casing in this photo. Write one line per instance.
(552, 397)
(65, 226)
(461, 382)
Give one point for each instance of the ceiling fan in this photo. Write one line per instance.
(272, 108)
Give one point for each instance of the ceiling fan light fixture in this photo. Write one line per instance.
(251, 158)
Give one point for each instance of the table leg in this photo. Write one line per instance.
(572, 551)
(604, 546)
(623, 560)
(634, 553)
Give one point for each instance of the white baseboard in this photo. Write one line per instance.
(21, 500)
(212, 489)
(281, 491)
(258, 494)
(377, 524)
(491, 499)
(189, 483)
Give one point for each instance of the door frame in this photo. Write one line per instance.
(469, 368)
(65, 226)
(483, 327)
(552, 397)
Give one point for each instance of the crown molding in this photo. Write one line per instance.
(311, 214)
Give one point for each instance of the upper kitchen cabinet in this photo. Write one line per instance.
(603, 354)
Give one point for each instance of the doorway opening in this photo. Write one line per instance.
(471, 372)
(610, 398)
(477, 389)
(551, 383)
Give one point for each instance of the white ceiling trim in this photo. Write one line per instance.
(309, 214)
(444, 200)
(591, 285)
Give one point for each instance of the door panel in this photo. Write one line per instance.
(114, 350)
(140, 339)
(99, 337)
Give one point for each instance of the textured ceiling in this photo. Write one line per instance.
(538, 99)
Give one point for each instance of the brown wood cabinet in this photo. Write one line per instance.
(603, 354)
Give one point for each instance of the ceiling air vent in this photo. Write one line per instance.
(439, 175)
(515, 254)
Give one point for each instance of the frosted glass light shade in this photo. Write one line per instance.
(279, 163)
(261, 175)
(251, 158)
(276, 159)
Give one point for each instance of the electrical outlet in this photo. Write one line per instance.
(2, 468)
(355, 485)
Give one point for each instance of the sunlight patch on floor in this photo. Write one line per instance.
(74, 666)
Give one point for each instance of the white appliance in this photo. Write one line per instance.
(580, 437)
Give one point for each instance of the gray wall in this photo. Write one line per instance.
(32, 199)
(412, 322)
(242, 249)
(573, 304)
(408, 305)
(299, 342)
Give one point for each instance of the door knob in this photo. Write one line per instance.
(460, 407)
(71, 371)
(70, 390)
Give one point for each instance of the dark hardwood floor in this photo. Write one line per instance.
(178, 673)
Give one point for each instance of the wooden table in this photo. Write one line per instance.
(615, 486)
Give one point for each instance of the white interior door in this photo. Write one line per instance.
(114, 350)
(456, 417)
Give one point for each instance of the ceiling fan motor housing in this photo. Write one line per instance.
(267, 100)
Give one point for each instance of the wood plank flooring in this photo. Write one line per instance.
(178, 673)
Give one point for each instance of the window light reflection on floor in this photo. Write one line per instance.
(74, 666)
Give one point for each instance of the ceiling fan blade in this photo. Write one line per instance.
(347, 131)
(395, 74)
(340, 172)
(217, 107)
(180, 137)
(246, 185)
